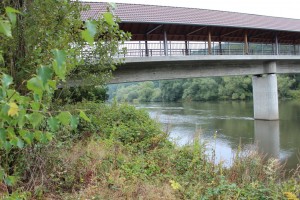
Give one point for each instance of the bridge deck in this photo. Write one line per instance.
(176, 67)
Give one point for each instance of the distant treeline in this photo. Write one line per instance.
(199, 89)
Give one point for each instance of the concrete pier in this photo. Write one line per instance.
(265, 97)
(267, 137)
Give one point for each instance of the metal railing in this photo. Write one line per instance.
(138, 49)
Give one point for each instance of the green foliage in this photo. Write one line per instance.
(25, 118)
(172, 90)
(117, 166)
(123, 123)
(201, 89)
(144, 92)
(236, 88)
(80, 93)
(284, 86)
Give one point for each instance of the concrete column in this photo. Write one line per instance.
(209, 43)
(267, 137)
(165, 43)
(265, 94)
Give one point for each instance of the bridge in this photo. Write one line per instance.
(175, 42)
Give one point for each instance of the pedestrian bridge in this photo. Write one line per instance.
(174, 42)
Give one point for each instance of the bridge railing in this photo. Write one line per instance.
(138, 49)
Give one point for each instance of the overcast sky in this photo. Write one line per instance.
(279, 8)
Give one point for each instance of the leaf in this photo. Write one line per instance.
(21, 118)
(11, 13)
(36, 85)
(7, 80)
(26, 136)
(35, 106)
(49, 136)
(109, 18)
(87, 37)
(35, 119)
(11, 10)
(52, 84)
(2, 134)
(83, 116)
(44, 73)
(90, 32)
(53, 124)
(113, 5)
(59, 64)
(17, 142)
(5, 28)
(42, 137)
(7, 146)
(1, 173)
(74, 122)
(1, 58)
(38, 135)
(10, 180)
(64, 117)
(13, 109)
(13, 18)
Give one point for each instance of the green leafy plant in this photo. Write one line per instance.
(25, 117)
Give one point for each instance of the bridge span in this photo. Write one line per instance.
(263, 68)
(175, 67)
(199, 43)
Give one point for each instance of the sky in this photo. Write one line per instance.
(277, 8)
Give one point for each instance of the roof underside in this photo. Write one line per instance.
(194, 24)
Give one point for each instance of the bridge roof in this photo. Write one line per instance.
(194, 23)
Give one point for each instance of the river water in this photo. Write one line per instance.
(226, 126)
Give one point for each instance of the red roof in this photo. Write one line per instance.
(192, 16)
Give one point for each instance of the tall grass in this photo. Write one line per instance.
(125, 155)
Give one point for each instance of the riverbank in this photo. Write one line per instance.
(123, 154)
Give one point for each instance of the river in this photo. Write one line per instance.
(226, 126)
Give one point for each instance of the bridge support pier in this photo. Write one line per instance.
(267, 137)
(265, 96)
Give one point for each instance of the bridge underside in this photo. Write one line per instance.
(179, 32)
(178, 67)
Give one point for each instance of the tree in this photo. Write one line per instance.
(203, 89)
(172, 90)
(41, 42)
(236, 88)
(44, 25)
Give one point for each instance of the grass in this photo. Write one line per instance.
(123, 154)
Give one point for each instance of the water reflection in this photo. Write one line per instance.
(233, 124)
(267, 137)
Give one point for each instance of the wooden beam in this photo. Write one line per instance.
(146, 46)
(195, 31)
(230, 32)
(260, 34)
(246, 46)
(157, 27)
(209, 42)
